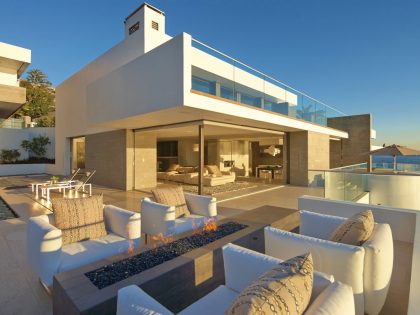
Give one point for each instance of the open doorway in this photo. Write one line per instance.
(78, 153)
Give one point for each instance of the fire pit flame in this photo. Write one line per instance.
(130, 242)
(210, 225)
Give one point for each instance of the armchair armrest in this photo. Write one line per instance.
(379, 259)
(156, 218)
(122, 222)
(43, 247)
(337, 298)
(134, 301)
(201, 205)
(344, 262)
(318, 225)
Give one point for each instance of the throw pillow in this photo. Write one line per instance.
(79, 219)
(172, 196)
(355, 230)
(173, 167)
(284, 289)
(214, 170)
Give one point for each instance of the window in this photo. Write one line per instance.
(133, 28)
(202, 85)
(155, 25)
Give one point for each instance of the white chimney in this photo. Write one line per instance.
(146, 24)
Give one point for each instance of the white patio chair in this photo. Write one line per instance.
(242, 266)
(367, 268)
(47, 256)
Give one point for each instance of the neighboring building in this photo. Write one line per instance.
(13, 62)
(153, 100)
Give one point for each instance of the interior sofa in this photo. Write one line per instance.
(242, 266)
(189, 175)
(47, 256)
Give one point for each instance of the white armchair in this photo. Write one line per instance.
(242, 266)
(367, 268)
(47, 256)
(160, 219)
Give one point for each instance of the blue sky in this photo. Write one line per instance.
(360, 56)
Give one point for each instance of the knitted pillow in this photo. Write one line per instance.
(355, 230)
(79, 219)
(284, 289)
(172, 196)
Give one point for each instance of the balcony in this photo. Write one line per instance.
(217, 75)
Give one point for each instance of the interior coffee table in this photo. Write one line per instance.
(176, 283)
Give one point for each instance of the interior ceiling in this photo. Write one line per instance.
(210, 132)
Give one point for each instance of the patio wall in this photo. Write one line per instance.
(12, 139)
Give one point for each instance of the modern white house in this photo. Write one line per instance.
(154, 100)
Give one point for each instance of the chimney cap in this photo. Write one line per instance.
(145, 4)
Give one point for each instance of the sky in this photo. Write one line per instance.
(360, 56)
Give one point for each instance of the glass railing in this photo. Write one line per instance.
(393, 190)
(15, 123)
(232, 80)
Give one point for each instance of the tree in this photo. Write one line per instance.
(37, 147)
(45, 121)
(40, 96)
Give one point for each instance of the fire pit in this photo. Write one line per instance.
(120, 270)
(176, 274)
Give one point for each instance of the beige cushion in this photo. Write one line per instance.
(172, 196)
(173, 167)
(79, 219)
(355, 230)
(214, 170)
(284, 289)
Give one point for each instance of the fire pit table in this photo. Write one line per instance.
(176, 273)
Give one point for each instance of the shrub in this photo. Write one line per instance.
(9, 156)
(36, 147)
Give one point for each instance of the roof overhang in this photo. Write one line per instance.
(11, 99)
(14, 58)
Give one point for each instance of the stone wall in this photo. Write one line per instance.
(307, 151)
(106, 153)
(356, 148)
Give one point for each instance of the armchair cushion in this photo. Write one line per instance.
(216, 302)
(172, 196)
(355, 230)
(286, 287)
(79, 219)
(82, 253)
(337, 298)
